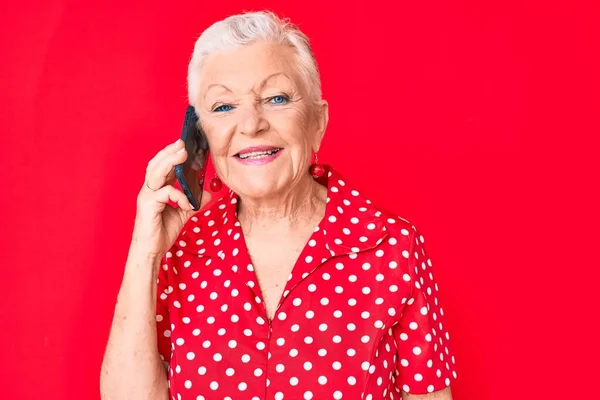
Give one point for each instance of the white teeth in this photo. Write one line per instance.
(258, 154)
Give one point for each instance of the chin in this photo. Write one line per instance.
(257, 186)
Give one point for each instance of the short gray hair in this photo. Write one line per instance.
(244, 29)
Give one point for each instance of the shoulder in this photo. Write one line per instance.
(400, 230)
(200, 231)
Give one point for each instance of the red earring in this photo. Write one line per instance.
(215, 184)
(317, 170)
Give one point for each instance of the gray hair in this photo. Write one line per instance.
(244, 29)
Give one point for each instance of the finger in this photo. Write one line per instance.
(170, 193)
(162, 173)
(169, 149)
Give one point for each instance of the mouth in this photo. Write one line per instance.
(257, 153)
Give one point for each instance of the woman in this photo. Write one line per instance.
(286, 287)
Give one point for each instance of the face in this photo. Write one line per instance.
(258, 117)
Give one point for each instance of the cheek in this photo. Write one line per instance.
(219, 139)
(293, 126)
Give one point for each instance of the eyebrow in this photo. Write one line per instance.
(261, 86)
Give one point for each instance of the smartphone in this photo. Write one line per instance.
(190, 174)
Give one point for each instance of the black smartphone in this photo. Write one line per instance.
(190, 174)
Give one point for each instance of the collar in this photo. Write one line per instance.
(351, 224)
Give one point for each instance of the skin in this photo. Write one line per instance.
(249, 96)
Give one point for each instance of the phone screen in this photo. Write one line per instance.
(191, 173)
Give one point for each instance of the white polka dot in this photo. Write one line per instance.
(418, 377)
(308, 395)
(214, 385)
(188, 384)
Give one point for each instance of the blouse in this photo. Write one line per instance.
(359, 317)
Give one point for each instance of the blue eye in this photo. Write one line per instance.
(279, 100)
(222, 108)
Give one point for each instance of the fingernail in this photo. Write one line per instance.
(181, 150)
(177, 141)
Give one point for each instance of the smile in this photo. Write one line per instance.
(258, 155)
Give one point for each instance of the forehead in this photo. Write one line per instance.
(246, 67)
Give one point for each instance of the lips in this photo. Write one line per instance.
(257, 152)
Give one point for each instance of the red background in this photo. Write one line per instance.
(475, 120)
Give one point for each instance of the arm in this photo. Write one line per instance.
(426, 365)
(444, 394)
(132, 368)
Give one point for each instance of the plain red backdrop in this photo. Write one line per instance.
(475, 120)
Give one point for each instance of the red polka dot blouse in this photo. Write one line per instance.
(359, 317)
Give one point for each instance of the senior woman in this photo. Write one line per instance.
(293, 285)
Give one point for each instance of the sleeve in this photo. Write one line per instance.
(424, 361)
(163, 323)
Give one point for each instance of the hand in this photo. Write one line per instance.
(157, 224)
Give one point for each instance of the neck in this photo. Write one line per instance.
(303, 201)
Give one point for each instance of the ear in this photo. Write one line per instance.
(322, 119)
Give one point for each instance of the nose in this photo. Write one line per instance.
(252, 121)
